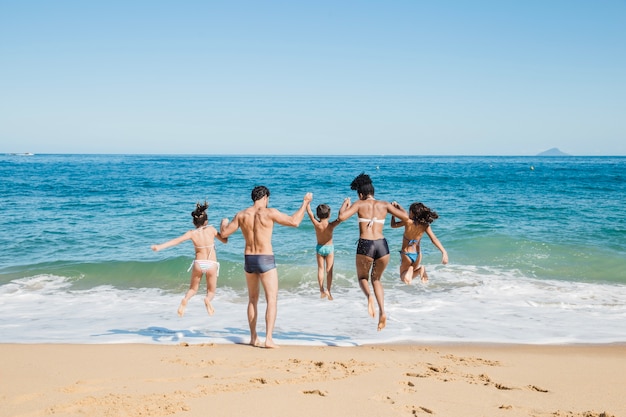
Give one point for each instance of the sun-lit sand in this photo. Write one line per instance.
(383, 380)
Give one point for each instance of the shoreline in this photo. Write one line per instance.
(446, 379)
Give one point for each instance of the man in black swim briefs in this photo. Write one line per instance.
(258, 264)
(257, 223)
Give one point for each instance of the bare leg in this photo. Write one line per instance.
(363, 265)
(377, 271)
(211, 285)
(407, 275)
(252, 280)
(196, 276)
(407, 272)
(423, 274)
(330, 262)
(269, 280)
(320, 274)
(421, 269)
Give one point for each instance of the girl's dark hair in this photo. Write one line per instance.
(323, 211)
(259, 192)
(422, 214)
(362, 184)
(199, 214)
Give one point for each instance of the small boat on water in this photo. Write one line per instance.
(22, 154)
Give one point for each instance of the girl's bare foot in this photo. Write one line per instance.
(330, 297)
(382, 322)
(209, 307)
(323, 293)
(423, 274)
(181, 308)
(255, 342)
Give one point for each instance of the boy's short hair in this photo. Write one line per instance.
(323, 211)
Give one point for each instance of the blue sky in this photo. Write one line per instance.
(268, 77)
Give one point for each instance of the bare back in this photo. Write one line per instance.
(324, 231)
(257, 225)
(412, 232)
(375, 211)
(371, 214)
(203, 239)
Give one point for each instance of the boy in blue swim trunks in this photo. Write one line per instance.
(325, 250)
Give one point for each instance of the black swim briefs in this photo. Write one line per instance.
(372, 248)
(258, 264)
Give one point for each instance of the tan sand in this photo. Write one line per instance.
(387, 380)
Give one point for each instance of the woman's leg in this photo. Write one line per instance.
(378, 268)
(363, 266)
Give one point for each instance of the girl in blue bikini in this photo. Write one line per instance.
(420, 218)
(203, 238)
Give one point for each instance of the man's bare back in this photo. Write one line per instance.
(257, 224)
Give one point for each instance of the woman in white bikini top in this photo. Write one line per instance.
(372, 252)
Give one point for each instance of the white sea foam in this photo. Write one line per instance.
(457, 305)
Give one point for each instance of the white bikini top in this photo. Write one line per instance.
(370, 222)
(208, 246)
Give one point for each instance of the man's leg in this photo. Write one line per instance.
(253, 299)
(269, 280)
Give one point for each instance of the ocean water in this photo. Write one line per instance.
(537, 249)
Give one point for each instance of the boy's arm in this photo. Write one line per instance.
(437, 243)
(310, 213)
(335, 223)
(172, 242)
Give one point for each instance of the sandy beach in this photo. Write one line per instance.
(384, 380)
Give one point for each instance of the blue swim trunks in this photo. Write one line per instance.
(258, 264)
(324, 250)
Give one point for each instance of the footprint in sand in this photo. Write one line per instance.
(316, 392)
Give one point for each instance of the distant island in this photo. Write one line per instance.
(553, 152)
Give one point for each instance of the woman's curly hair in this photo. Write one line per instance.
(362, 184)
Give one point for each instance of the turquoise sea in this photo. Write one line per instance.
(537, 249)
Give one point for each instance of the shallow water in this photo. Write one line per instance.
(537, 249)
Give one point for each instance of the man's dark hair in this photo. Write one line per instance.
(259, 192)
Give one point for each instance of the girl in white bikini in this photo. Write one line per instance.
(203, 238)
